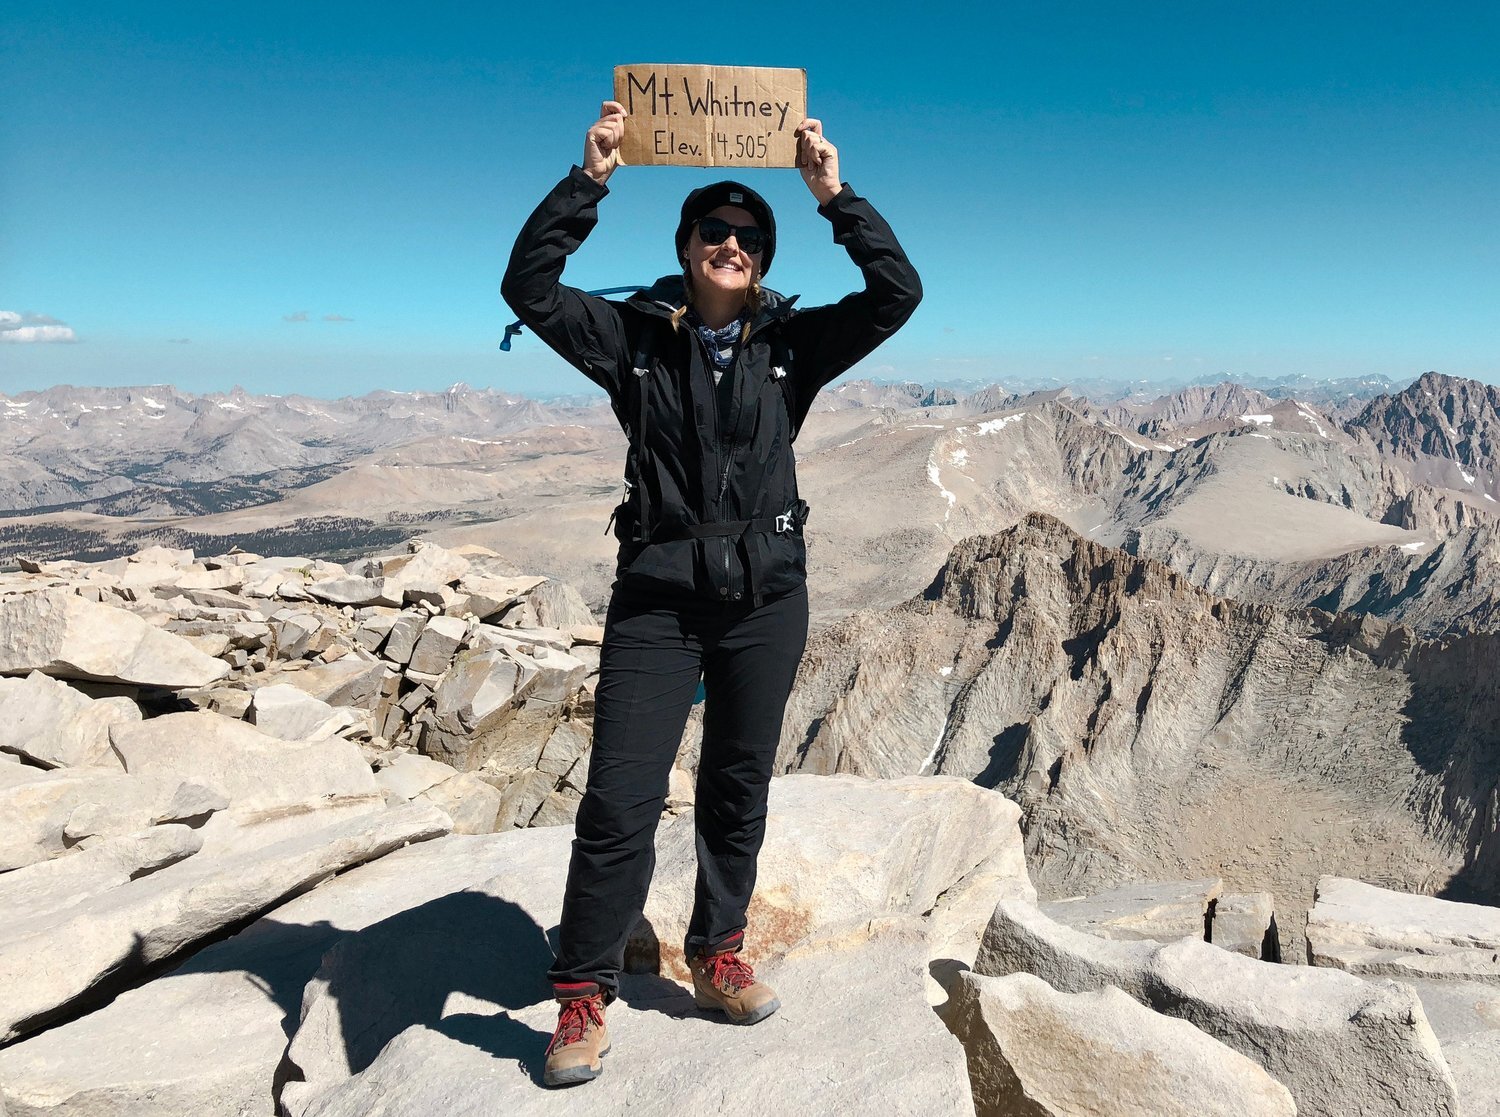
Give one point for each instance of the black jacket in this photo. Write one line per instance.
(705, 485)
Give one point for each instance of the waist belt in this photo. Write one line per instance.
(793, 518)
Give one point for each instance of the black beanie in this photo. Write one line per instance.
(706, 199)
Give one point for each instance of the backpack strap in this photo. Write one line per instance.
(640, 364)
(781, 372)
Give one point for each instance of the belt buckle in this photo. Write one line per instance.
(783, 523)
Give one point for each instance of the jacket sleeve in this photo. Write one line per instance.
(827, 340)
(584, 330)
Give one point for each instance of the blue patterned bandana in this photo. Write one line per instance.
(721, 343)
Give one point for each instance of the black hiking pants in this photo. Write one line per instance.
(656, 649)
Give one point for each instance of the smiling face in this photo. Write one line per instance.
(724, 268)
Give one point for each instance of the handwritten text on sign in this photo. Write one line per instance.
(711, 116)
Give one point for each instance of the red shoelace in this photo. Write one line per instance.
(726, 971)
(574, 1020)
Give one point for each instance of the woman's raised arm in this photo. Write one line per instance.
(584, 330)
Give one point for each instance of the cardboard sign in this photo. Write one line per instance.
(710, 116)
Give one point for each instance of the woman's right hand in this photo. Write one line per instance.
(601, 147)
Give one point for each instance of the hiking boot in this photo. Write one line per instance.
(576, 1053)
(721, 981)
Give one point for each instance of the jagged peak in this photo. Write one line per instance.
(986, 575)
(1438, 416)
(1436, 387)
(979, 579)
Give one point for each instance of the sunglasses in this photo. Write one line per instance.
(715, 230)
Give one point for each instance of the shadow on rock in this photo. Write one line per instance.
(503, 1037)
(406, 970)
(1450, 729)
(649, 992)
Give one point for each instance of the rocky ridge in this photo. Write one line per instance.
(1189, 408)
(451, 672)
(1151, 730)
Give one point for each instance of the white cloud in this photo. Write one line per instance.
(29, 327)
(336, 318)
(295, 316)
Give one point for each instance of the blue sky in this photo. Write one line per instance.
(321, 198)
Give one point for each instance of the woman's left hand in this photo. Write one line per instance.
(818, 160)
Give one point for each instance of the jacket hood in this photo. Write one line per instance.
(666, 295)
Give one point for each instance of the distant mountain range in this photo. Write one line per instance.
(1388, 507)
(158, 451)
(1337, 394)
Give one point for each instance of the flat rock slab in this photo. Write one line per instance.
(255, 772)
(49, 888)
(1033, 1050)
(179, 556)
(207, 1037)
(438, 644)
(1346, 1046)
(354, 590)
(591, 635)
(472, 804)
(217, 599)
(559, 605)
(53, 724)
(836, 848)
(47, 963)
(1465, 1015)
(409, 774)
(63, 635)
(1020, 938)
(403, 637)
(1153, 911)
(344, 682)
(559, 674)
(481, 690)
(853, 1036)
(520, 639)
(425, 563)
(1339, 1043)
(36, 807)
(1368, 930)
(291, 714)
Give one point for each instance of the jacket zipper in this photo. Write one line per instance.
(724, 445)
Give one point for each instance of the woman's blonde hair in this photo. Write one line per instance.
(754, 299)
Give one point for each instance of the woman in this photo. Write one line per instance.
(710, 374)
